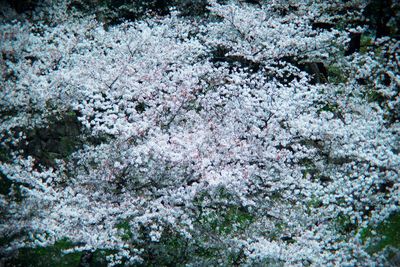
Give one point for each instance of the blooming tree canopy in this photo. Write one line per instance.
(245, 136)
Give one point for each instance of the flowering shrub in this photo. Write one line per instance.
(202, 140)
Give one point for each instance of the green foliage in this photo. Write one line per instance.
(278, 231)
(314, 203)
(309, 168)
(53, 256)
(383, 235)
(344, 224)
(10, 189)
(4, 154)
(226, 218)
(99, 258)
(227, 221)
(365, 43)
(57, 141)
(170, 250)
(67, 145)
(207, 252)
(125, 229)
(46, 256)
(5, 184)
(330, 107)
(374, 96)
(336, 75)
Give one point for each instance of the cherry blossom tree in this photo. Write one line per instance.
(217, 140)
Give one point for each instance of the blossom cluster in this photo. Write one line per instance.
(208, 129)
